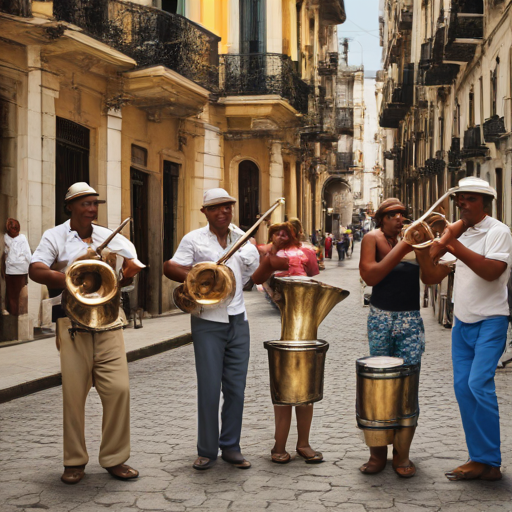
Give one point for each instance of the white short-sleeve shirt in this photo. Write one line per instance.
(474, 298)
(202, 245)
(17, 255)
(61, 246)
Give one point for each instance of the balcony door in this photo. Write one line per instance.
(253, 26)
(248, 194)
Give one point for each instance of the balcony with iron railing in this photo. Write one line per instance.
(258, 74)
(397, 99)
(473, 146)
(344, 162)
(329, 66)
(494, 128)
(465, 30)
(150, 36)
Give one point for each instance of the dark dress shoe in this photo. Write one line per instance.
(236, 459)
(73, 474)
(203, 463)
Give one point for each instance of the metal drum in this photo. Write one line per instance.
(387, 397)
(296, 371)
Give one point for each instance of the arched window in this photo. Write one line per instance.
(248, 194)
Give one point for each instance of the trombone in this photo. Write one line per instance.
(210, 284)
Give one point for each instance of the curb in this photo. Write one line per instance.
(52, 381)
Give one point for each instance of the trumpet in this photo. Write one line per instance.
(210, 284)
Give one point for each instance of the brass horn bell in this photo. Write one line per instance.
(92, 297)
(207, 286)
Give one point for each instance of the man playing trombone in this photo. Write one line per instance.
(87, 356)
(221, 335)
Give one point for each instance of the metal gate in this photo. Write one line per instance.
(71, 161)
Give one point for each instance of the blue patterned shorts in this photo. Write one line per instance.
(396, 334)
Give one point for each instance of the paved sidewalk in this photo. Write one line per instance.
(34, 366)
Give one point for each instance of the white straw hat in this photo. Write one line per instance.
(80, 189)
(217, 196)
(475, 185)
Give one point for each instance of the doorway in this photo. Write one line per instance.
(139, 235)
(72, 147)
(248, 194)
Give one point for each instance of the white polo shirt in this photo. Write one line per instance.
(202, 245)
(474, 298)
(61, 246)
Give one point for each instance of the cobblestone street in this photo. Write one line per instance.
(164, 436)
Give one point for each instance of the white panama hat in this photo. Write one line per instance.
(216, 196)
(475, 185)
(80, 189)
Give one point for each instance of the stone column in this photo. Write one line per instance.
(233, 43)
(274, 27)
(114, 187)
(276, 180)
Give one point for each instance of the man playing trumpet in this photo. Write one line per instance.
(88, 357)
(483, 247)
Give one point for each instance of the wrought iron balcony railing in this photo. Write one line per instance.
(344, 119)
(16, 7)
(344, 161)
(473, 146)
(328, 66)
(150, 36)
(257, 74)
(426, 54)
(494, 128)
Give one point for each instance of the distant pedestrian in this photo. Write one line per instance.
(15, 264)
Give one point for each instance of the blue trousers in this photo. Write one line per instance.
(476, 349)
(222, 358)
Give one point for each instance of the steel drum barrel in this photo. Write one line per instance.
(387, 397)
(296, 371)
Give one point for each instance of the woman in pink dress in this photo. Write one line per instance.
(286, 256)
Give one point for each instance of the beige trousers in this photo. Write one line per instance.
(102, 357)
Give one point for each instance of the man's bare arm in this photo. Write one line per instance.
(373, 271)
(42, 274)
(483, 267)
(175, 272)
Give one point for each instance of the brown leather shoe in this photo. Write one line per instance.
(123, 472)
(236, 458)
(73, 474)
(472, 470)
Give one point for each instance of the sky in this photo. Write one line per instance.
(362, 27)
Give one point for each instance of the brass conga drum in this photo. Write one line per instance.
(387, 397)
(297, 360)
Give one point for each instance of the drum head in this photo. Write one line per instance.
(381, 362)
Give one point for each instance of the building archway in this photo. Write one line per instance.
(248, 193)
(338, 204)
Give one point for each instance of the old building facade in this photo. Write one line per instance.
(444, 97)
(155, 102)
